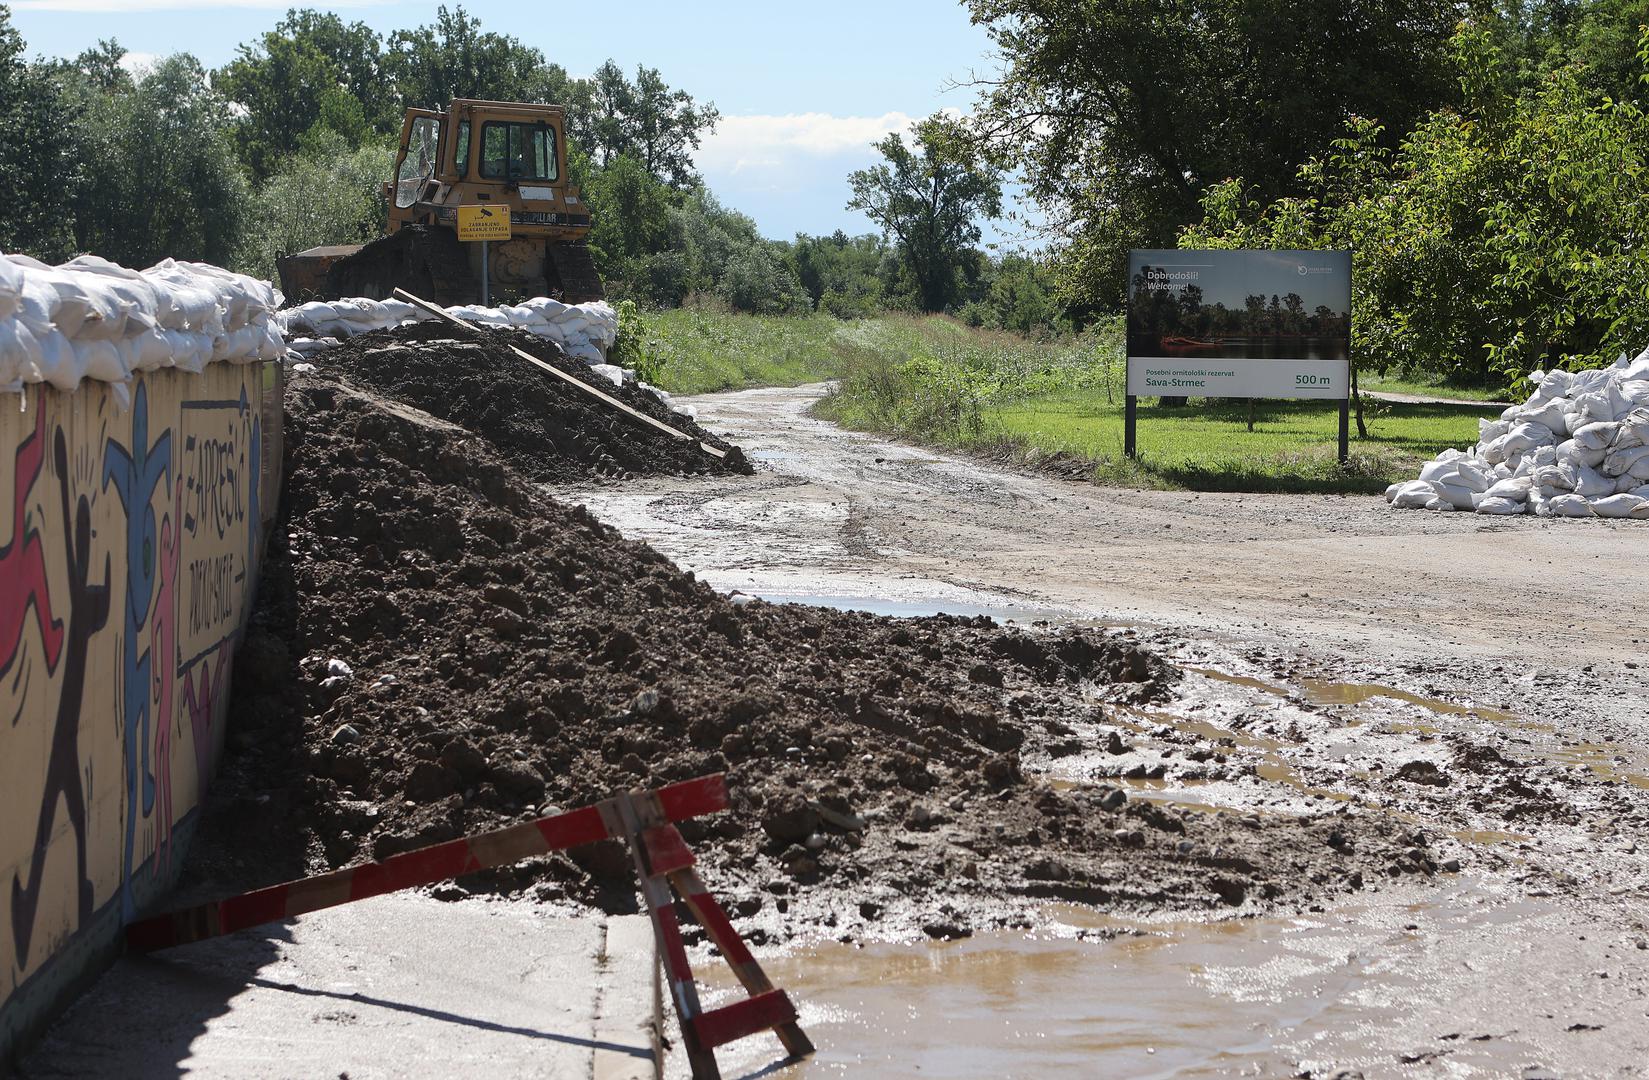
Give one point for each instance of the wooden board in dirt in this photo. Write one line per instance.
(546, 429)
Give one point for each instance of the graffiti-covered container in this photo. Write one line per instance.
(132, 523)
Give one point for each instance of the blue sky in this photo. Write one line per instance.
(803, 89)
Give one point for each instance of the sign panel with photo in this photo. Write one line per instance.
(1272, 324)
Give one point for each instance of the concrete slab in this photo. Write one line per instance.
(401, 985)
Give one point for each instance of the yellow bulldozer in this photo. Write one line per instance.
(494, 154)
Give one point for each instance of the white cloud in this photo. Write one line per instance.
(126, 6)
(745, 143)
(134, 62)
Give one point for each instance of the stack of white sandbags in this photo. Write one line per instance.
(584, 331)
(91, 319)
(1578, 448)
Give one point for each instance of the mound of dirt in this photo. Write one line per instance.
(440, 648)
(547, 430)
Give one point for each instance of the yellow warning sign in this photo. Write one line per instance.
(483, 223)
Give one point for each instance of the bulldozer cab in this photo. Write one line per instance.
(506, 155)
(479, 152)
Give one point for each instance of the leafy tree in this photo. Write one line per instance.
(1492, 241)
(284, 85)
(454, 58)
(101, 65)
(160, 175)
(327, 194)
(929, 197)
(39, 166)
(648, 121)
(356, 53)
(1121, 114)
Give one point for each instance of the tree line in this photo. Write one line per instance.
(287, 144)
(1487, 161)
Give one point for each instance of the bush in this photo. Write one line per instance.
(327, 195)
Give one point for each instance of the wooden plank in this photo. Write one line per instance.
(440, 312)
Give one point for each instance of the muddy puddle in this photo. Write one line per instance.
(1392, 986)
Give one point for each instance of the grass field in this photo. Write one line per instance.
(1392, 384)
(938, 381)
(1207, 446)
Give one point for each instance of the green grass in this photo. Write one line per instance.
(700, 351)
(1393, 384)
(935, 380)
(1206, 445)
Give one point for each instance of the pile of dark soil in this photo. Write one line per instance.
(549, 431)
(440, 648)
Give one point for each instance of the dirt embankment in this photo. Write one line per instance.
(551, 432)
(440, 648)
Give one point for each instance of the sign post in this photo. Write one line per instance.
(1249, 324)
(484, 224)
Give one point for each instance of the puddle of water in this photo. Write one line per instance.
(1487, 837)
(1168, 998)
(1327, 692)
(1600, 759)
(1323, 692)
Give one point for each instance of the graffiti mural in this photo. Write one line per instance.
(129, 548)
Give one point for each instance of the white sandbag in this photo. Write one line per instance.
(1515, 489)
(1569, 452)
(1587, 481)
(1392, 490)
(1570, 506)
(1502, 507)
(1548, 414)
(60, 364)
(20, 355)
(1490, 430)
(1459, 497)
(191, 349)
(1413, 495)
(1528, 434)
(106, 361)
(1616, 506)
(610, 372)
(151, 350)
(1620, 462)
(1597, 436)
(11, 288)
(1438, 503)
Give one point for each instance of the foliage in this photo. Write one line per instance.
(934, 381)
(1121, 114)
(648, 121)
(1494, 240)
(39, 168)
(285, 86)
(328, 194)
(929, 197)
(159, 172)
(1021, 297)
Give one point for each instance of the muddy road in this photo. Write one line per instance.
(1481, 683)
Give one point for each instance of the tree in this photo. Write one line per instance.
(454, 58)
(39, 165)
(648, 121)
(326, 194)
(160, 175)
(356, 53)
(1121, 114)
(929, 198)
(284, 86)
